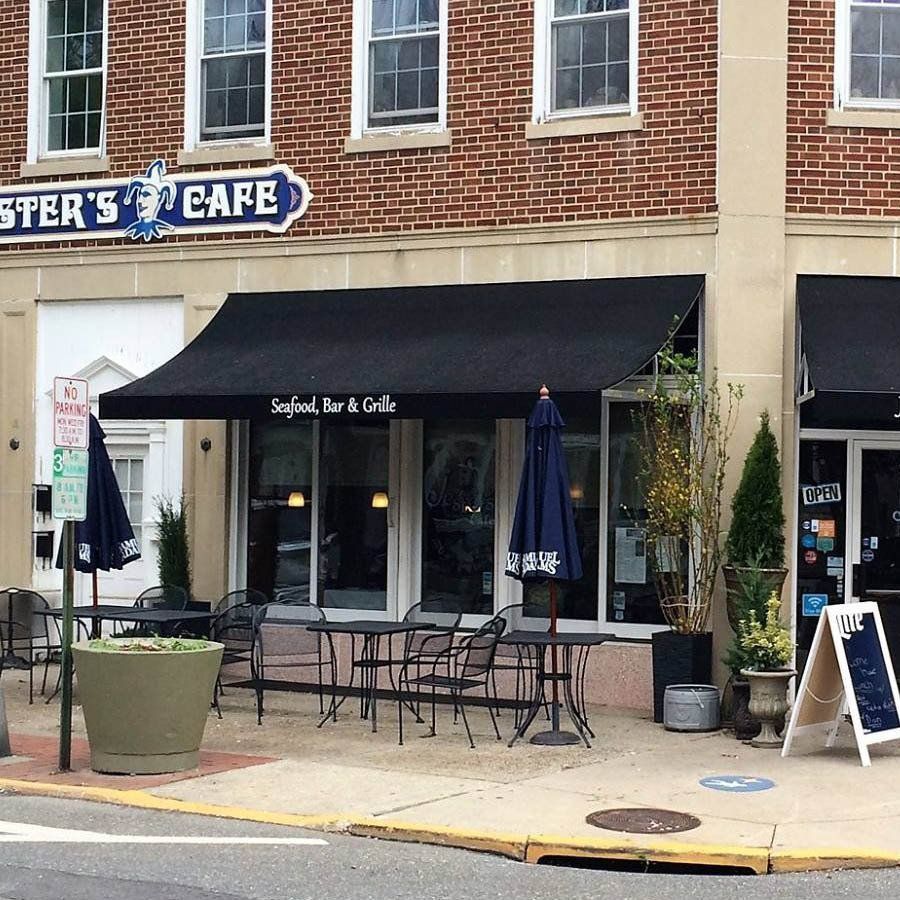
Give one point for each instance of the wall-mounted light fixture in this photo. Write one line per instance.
(380, 500)
(576, 492)
(13, 443)
(296, 499)
(205, 444)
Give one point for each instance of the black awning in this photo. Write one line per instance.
(850, 351)
(454, 350)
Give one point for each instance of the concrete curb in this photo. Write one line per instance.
(521, 847)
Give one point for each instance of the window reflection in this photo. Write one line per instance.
(353, 505)
(278, 546)
(458, 514)
(578, 599)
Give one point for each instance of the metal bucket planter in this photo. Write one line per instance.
(768, 704)
(145, 710)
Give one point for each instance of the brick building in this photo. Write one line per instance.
(464, 167)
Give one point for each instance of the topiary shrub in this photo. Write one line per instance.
(174, 548)
(756, 536)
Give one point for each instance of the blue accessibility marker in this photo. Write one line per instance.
(737, 784)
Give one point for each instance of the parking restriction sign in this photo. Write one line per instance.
(70, 480)
(71, 408)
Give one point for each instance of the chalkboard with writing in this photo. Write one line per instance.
(869, 677)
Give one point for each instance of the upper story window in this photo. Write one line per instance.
(233, 69)
(399, 65)
(585, 57)
(72, 76)
(868, 44)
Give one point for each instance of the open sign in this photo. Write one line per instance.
(821, 493)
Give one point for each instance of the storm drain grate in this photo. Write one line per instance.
(642, 821)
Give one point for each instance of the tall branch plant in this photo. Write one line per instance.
(686, 423)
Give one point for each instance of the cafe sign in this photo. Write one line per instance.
(312, 406)
(152, 205)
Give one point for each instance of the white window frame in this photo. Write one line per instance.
(38, 90)
(193, 83)
(359, 105)
(543, 69)
(842, 46)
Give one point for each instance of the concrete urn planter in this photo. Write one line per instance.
(145, 709)
(768, 704)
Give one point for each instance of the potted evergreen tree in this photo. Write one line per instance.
(686, 424)
(756, 536)
(173, 546)
(767, 649)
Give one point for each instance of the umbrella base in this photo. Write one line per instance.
(11, 661)
(555, 738)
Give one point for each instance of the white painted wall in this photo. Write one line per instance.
(110, 342)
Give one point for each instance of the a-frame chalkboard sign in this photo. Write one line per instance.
(849, 663)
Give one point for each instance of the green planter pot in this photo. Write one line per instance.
(145, 711)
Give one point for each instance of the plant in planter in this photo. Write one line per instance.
(754, 594)
(756, 536)
(146, 701)
(686, 423)
(174, 547)
(767, 649)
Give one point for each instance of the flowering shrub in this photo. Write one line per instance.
(766, 645)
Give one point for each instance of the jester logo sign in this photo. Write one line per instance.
(152, 205)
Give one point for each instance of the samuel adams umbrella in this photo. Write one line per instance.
(543, 544)
(105, 539)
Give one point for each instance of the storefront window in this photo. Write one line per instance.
(353, 507)
(578, 599)
(631, 596)
(280, 492)
(458, 514)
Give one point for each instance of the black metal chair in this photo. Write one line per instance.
(47, 635)
(522, 660)
(292, 595)
(470, 669)
(281, 639)
(232, 625)
(163, 596)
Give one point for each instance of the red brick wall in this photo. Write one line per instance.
(491, 176)
(831, 170)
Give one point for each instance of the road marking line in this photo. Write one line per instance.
(23, 832)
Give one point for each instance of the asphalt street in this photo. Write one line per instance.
(72, 850)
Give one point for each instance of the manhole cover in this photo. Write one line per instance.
(642, 821)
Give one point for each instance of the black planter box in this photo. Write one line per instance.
(679, 659)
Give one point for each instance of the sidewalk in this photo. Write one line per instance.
(528, 802)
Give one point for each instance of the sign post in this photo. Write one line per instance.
(71, 410)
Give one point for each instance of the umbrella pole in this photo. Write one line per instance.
(554, 737)
(94, 579)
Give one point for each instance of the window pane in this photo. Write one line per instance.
(57, 95)
(631, 594)
(77, 94)
(408, 55)
(385, 56)
(215, 73)
(215, 109)
(593, 40)
(235, 33)
(55, 53)
(75, 16)
(382, 16)
(135, 506)
(617, 84)
(75, 139)
(579, 599)
(566, 7)
(866, 31)
(215, 8)
(56, 133)
(406, 15)
(890, 38)
(408, 90)
(429, 89)
(863, 76)
(593, 86)
(236, 72)
(214, 35)
(618, 40)
(890, 78)
(56, 17)
(256, 6)
(256, 31)
(137, 475)
(257, 105)
(257, 73)
(429, 47)
(429, 16)
(278, 544)
(93, 51)
(567, 94)
(95, 15)
(235, 7)
(74, 52)
(568, 45)
(95, 93)
(458, 513)
(236, 107)
(383, 99)
(353, 534)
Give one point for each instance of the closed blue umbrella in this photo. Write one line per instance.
(105, 539)
(544, 545)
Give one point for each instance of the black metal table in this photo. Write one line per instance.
(166, 619)
(369, 661)
(572, 669)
